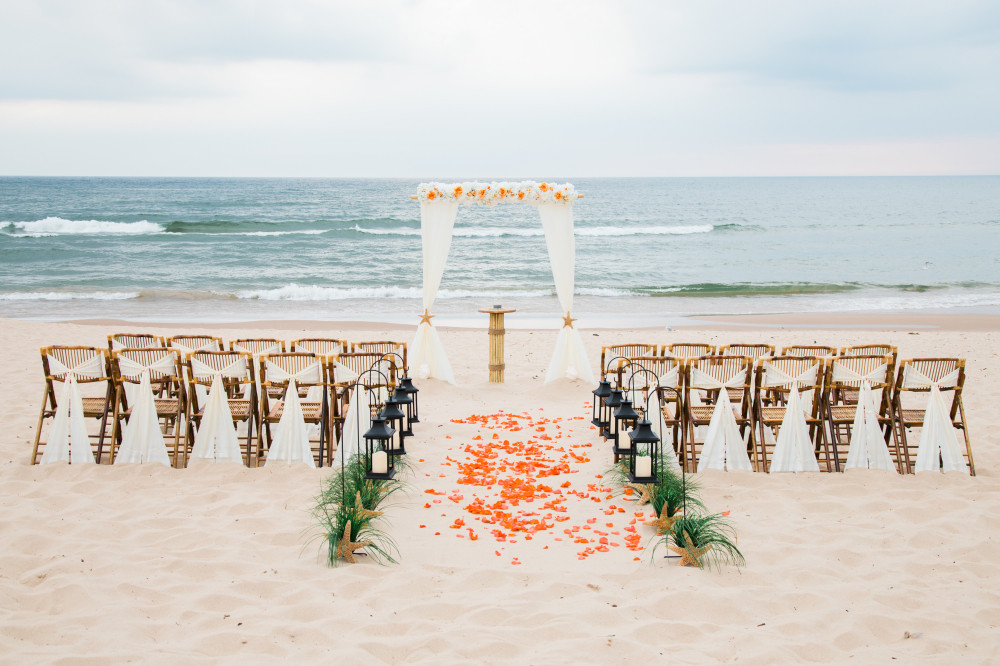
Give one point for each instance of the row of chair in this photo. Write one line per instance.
(255, 386)
(759, 390)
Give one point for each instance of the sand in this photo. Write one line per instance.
(215, 564)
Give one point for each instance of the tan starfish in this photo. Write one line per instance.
(664, 522)
(645, 492)
(346, 547)
(568, 320)
(426, 317)
(361, 513)
(690, 556)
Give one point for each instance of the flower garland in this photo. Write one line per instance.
(491, 194)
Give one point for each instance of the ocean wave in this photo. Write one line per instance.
(296, 292)
(57, 226)
(501, 232)
(678, 230)
(69, 296)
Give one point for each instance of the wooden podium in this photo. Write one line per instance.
(496, 332)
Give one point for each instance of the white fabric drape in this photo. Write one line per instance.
(357, 421)
(724, 447)
(291, 445)
(939, 449)
(667, 380)
(868, 449)
(142, 439)
(569, 358)
(437, 221)
(68, 439)
(793, 450)
(216, 438)
(273, 349)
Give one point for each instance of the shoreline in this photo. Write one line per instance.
(888, 321)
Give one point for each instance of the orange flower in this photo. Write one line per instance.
(520, 195)
(544, 187)
(431, 195)
(558, 196)
(458, 191)
(482, 193)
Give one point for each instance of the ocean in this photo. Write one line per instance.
(648, 250)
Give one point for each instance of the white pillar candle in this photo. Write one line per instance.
(644, 466)
(625, 442)
(380, 463)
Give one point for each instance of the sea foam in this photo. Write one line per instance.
(56, 226)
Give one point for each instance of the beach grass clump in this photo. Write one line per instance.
(347, 511)
(704, 539)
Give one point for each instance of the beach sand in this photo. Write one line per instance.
(215, 564)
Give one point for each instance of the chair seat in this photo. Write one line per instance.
(311, 411)
(94, 407)
(164, 407)
(843, 413)
(238, 407)
(703, 413)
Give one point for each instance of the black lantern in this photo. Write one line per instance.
(602, 391)
(401, 398)
(608, 407)
(406, 384)
(378, 454)
(645, 453)
(624, 420)
(394, 417)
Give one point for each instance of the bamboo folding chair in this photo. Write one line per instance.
(808, 350)
(385, 347)
(315, 407)
(612, 353)
(669, 379)
(840, 400)
(192, 343)
(168, 389)
(241, 395)
(734, 370)
(771, 399)
(909, 414)
(688, 349)
(134, 341)
(94, 407)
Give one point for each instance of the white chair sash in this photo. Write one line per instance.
(311, 374)
(291, 445)
(357, 421)
(867, 449)
(724, 447)
(273, 349)
(939, 449)
(142, 440)
(68, 439)
(216, 438)
(793, 449)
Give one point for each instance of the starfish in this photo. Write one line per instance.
(361, 513)
(568, 320)
(346, 547)
(645, 490)
(426, 317)
(664, 522)
(690, 556)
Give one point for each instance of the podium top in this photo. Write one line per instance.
(497, 310)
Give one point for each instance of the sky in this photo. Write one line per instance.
(490, 89)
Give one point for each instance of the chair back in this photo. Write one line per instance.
(320, 346)
(712, 373)
(808, 350)
(134, 341)
(611, 352)
(306, 368)
(753, 351)
(86, 364)
(384, 347)
(689, 349)
(776, 376)
(236, 371)
(258, 346)
(918, 374)
(154, 358)
(190, 343)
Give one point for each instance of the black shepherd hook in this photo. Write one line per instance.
(357, 416)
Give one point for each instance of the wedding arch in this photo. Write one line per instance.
(439, 204)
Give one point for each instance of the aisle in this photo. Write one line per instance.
(520, 483)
